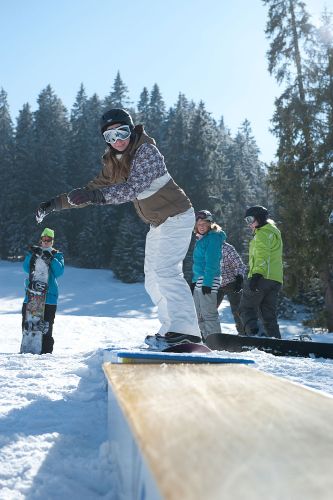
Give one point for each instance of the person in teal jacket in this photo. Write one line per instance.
(265, 275)
(56, 261)
(206, 269)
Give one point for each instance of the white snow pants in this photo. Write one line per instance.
(166, 248)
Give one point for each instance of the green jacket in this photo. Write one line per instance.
(265, 253)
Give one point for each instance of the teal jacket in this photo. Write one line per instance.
(57, 268)
(265, 253)
(207, 256)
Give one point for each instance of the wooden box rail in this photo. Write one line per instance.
(217, 432)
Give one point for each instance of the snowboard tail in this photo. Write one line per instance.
(278, 347)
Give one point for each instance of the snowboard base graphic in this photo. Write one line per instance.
(34, 326)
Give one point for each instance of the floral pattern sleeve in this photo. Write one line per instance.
(147, 165)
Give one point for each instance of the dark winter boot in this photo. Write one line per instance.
(252, 332)
(160, 342)
(47, 345)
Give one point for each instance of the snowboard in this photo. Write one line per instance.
(34, 326)
(179, 353)
(278, 347)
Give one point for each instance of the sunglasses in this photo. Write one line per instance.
(249, 219)
(46, 240)
(117, 134)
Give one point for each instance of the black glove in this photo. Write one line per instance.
(254, 281)
(47, 256)
(206, 290)
(36, 250)
(44, 209)
(192, 286)
(82, 196)
(239, 283)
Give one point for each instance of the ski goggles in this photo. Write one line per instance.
(117, 134)
(46, 239)
(249, 219)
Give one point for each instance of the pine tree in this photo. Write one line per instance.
(156, 123)
(198, 166)
(128, 252)
(143, 107)
(6, 174)
(297, 178)
(118, 97)
(49, 174)
(23, 223)
(176, 148)
(93, 229)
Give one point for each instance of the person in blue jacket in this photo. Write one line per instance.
(206, 270)
(56, 261)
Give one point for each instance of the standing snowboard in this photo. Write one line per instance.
(34, 326)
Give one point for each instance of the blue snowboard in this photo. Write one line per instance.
(181, 353)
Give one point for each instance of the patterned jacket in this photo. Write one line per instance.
(149, 185)
(231, 265)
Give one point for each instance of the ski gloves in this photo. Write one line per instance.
(46, 255)
(238, 283)
(204, 289)
(254, 281)
(76, 197)
(82, 196)
(44, 209)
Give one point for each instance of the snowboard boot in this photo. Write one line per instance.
(159, 342)
(251, 332)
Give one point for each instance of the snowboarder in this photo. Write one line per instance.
(134, 170)
(55, 259)
(206, 268)
(265, 276)
(232, 273)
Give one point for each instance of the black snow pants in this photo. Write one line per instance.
(234, 300)
(263, 303)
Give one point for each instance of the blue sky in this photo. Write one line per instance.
(211, 50)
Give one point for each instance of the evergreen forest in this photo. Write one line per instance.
(52, 150)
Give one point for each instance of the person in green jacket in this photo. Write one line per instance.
(265, 275)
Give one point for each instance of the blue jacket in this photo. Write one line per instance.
(207, 257)
(57, 267)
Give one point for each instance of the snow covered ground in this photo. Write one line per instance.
(53, 408)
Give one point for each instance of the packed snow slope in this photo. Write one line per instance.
(53, 408)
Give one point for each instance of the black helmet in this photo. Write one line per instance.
(258, 212)
(204, 215)
(116, 115)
